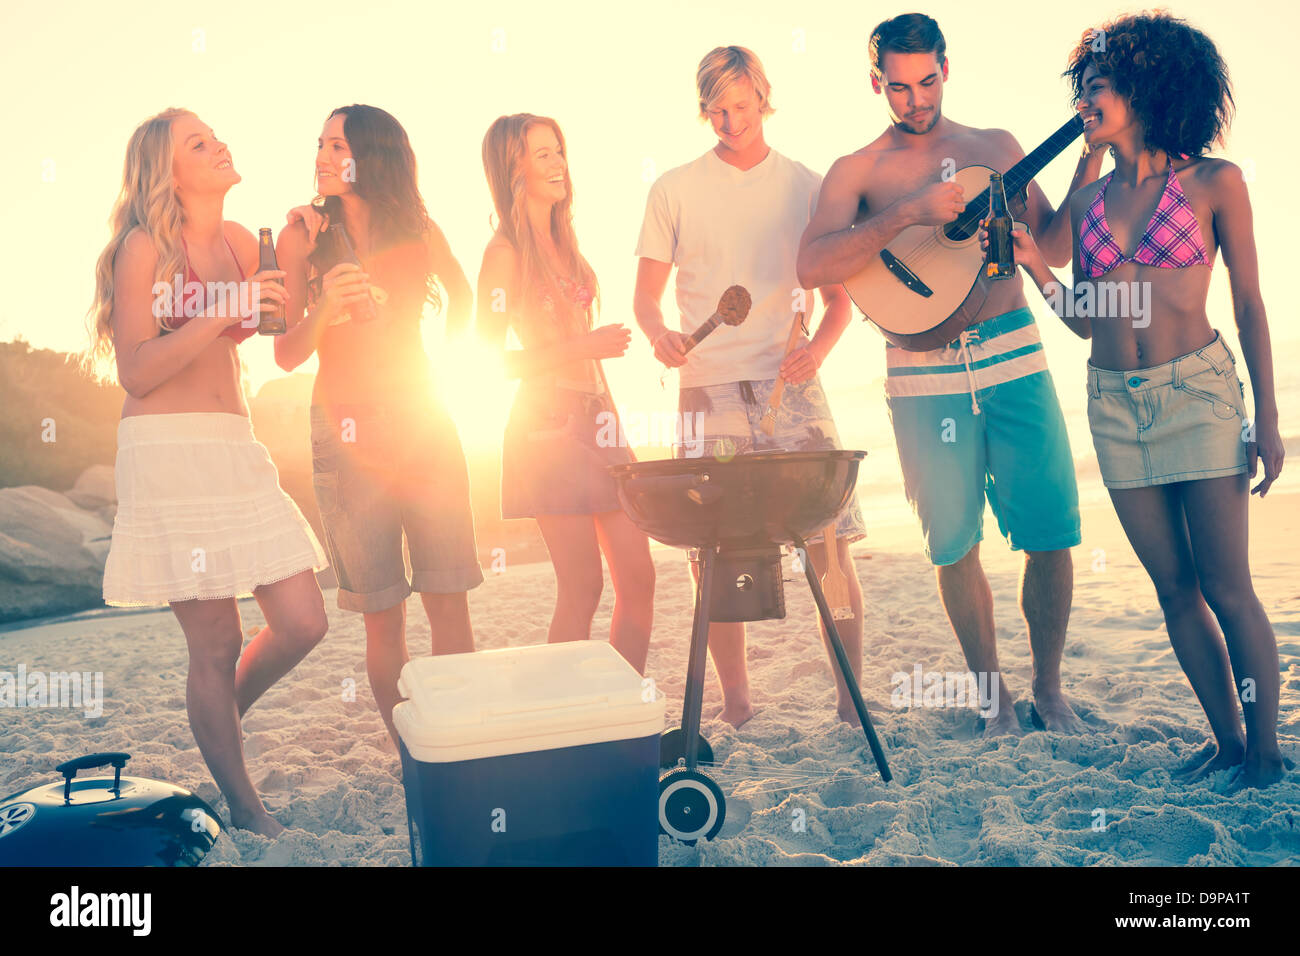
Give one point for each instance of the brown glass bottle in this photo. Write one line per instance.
(270, 317)
(362, 311)
(1000, 259)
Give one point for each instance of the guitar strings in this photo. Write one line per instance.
(926, 249)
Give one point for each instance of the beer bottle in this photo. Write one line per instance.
(364, 311)
(1000, 259)
(270, 318)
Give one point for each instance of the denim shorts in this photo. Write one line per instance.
(559, 445)
(724, 420)
(977, 420)
(381, 470)
(1180, 421)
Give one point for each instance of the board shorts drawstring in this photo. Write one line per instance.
(964, 347)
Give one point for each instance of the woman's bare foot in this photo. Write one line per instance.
(1197, 760)
(1221, 758)
(736, 712)
(258, 821)
(848, 714)
(1259, 772)
(1054, 713)
(1004, 724)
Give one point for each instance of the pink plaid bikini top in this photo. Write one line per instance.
(1172, 239)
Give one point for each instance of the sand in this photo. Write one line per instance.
(801, 787)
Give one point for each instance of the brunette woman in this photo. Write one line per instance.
(386, 459)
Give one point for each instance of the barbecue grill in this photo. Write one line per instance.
(738, 512)
(105, 821)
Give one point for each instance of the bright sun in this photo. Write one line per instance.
(470, 379)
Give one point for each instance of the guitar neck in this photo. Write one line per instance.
(1022, 173)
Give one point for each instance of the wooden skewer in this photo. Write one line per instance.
(834, 583)
(768, 424)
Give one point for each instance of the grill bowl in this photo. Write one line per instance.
(742, 502)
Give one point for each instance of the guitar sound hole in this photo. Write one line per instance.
(959, 231)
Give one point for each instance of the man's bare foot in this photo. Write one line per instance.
(736, 712)
(848, 714)
(259, 822)
(1004, 724)
(1054, 713)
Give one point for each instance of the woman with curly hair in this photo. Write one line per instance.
(562, 434)
(386, 458)
(201, 518)
(1168, 415)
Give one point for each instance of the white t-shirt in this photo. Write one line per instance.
(722, 226)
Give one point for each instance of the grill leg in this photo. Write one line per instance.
(695, 672)
(843, 660)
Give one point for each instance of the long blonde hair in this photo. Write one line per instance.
(505, 152)
(147, 200)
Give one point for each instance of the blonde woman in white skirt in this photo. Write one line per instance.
(201, 517)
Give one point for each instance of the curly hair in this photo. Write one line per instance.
(1170, 73)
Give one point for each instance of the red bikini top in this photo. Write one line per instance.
(236, 332)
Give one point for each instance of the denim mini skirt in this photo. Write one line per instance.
(559, 445)
(1180, 421)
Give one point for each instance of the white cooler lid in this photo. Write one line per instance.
(522, 699)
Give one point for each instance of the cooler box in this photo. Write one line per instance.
(545, 755)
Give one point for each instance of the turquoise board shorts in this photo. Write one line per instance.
(977, 420)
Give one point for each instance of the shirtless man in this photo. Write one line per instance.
(1000, 426)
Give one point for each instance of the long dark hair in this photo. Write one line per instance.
(386, 179)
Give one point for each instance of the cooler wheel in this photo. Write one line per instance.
(672, 748)
(691, 806)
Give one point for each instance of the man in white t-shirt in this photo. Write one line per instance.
(734, 217)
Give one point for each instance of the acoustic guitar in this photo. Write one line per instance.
(928, 285)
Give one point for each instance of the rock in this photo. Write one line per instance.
(94, 488)
(51, 554)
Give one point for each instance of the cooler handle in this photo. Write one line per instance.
(504, 713)
(69, 769)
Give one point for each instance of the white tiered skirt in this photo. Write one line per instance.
(200, 513)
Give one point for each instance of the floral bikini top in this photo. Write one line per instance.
(1172, 239)
(580, 295)
(577, 293)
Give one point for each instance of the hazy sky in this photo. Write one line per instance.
(78, 77)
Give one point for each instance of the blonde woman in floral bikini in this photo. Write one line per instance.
(554, 464)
